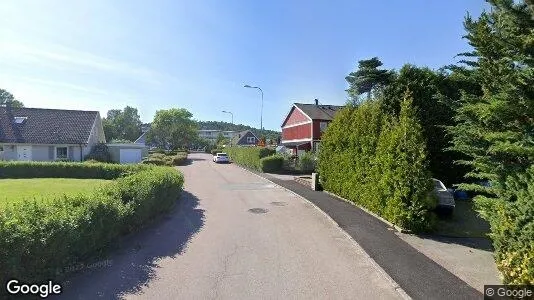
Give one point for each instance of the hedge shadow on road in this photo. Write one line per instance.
(134, 263)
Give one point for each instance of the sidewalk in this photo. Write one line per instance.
(418, 275)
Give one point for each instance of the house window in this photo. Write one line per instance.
(322, 126)
(1, 148)
(62, 152)
(251, 140)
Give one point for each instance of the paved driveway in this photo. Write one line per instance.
(236, 236)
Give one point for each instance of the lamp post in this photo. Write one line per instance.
(229, 112)
(261, 115)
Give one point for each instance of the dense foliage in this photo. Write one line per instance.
(272, 163)
(249, 156)
(367, 79)
(173, 129)
(41, 238)
(99, 152)
(495, 131)
(379, 164)
(306, 162)
(166, 159)
(6, 98)
(122, 124)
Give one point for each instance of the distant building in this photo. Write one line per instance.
(305, 123)
(212, 134)
(245, 138)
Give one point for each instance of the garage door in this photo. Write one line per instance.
(130, 156)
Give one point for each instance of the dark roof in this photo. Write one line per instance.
(319, 112)
(46, 126)
(240, 137)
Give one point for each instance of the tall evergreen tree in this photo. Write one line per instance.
(496, 131)
(367, 78)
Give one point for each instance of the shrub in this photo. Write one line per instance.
(179, 159)
(512, 228)
(249, 156)
(271, 163)
(306, 162)
(99, 152)
(40, 238)
(379, 164)
(21, 169)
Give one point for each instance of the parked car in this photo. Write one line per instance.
(446, 203)
(221, 158)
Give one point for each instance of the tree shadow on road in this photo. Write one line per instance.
(134, 263)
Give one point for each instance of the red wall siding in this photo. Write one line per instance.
(317, 129)
(296, 117)
(297, 132)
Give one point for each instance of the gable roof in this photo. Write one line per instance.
(46, 126)
(319, 112)
(240, 137)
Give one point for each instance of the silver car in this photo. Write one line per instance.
(446, 202)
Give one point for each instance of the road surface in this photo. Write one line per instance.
(235, 235)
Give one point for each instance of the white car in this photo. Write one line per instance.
(221, 158)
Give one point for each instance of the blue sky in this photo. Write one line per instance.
(100, 54)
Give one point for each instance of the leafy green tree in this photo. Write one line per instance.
(122, 124)
(221, 140)
(367, 79)
(7, 97)
(496, 130)
(173, 129)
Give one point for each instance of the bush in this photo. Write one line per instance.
(170, 160)
(179, 159)
(512, 228)
(306, 162)
(39, 239)
(249, 156)
(19, 169)
(272, 163)
(99, 152)
(379, 164)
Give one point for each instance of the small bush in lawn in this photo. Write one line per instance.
(272, 163)
(179, 158)
(99, 152)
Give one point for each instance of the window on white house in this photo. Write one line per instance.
(20, 120)
(62, 153)
(251, 139)
(322, 126)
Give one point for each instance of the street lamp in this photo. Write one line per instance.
(229, 112)
(261, 115)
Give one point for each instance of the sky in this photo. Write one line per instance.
(101, 54)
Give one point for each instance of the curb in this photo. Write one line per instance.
(377, 267)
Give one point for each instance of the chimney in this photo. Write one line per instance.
(316, 101)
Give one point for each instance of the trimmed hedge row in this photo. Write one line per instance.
(379, 164)
(272, 163)
(249, 156)
(79, 170)
(160, 159)
(41, 239)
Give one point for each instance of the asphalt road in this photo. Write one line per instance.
(235, 235)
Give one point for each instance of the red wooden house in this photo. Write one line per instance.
(304, 124)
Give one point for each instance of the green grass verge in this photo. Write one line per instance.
(19, 189)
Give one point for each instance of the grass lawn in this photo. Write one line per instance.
(12, 190)
(464, 222)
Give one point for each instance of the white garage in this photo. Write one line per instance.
(126, 153)
(130, 156)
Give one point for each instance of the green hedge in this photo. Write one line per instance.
(65, 170)
(160, 159)
(306, 162)
(512, 228)
(40, 239)
(249, 156)
(380, 164)
(273, 163)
